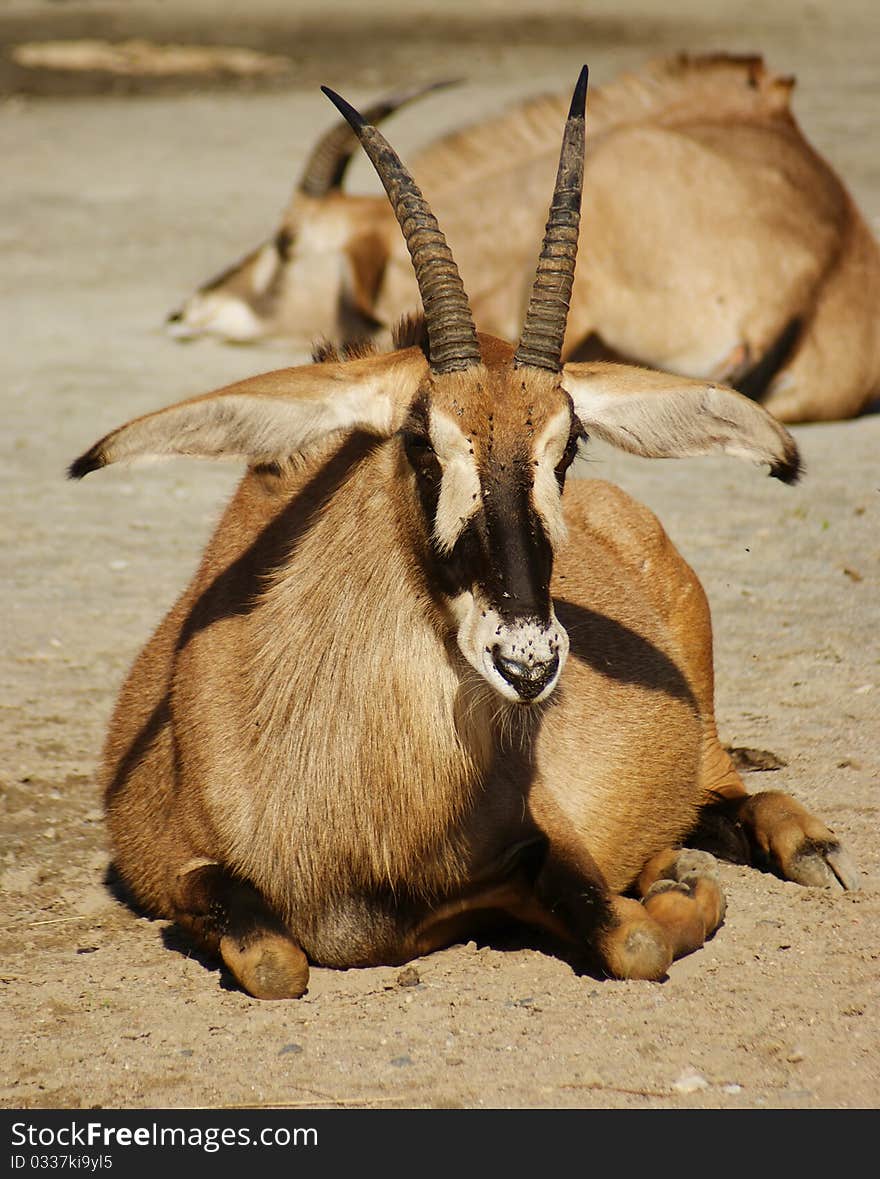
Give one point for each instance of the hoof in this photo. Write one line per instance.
(267, 967)
(643, 953)
(823, 865)
(672, 904)
(637, 947)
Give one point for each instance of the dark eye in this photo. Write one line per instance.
(284, 243)
(568, 455)
(421, 455)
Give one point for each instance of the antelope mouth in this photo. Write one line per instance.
(177, 327)
(522, 660)
(530, 679)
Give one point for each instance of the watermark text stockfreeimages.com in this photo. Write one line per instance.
(98, 1134)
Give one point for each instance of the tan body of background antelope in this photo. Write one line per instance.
(717, 242)
(407, 690)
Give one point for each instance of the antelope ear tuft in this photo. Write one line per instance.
(92, 460)
(790, 467)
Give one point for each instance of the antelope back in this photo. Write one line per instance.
(689, 281)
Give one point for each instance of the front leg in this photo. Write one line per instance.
(784, 834)
(628, 940)
(682, 906)
(227, 918)
(771, 829)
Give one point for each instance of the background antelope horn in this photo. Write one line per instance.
(543, 332)
(331, 155)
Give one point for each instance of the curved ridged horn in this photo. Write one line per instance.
(452, 337)
(543, 332)
(331, 155)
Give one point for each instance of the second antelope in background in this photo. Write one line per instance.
(412, 688)
(717, 243)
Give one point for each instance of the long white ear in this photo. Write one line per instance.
(272, 416)
(659, 415)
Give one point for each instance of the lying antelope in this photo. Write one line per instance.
(320, 274)
(718, 243)
(411, 688)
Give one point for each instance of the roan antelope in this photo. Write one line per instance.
(320, 274)
(411, 689)
(717, 242)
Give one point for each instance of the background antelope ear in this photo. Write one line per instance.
(363, 269)
(658, 415)
(270, 417)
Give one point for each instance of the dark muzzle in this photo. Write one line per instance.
(528, 680)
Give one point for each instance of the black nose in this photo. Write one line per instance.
(175, 317)
(527, 679)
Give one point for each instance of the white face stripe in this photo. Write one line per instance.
(460, 492)
(460, 483)
(549, 449)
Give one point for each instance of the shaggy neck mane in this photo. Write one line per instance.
(411, 331)
(338, 632)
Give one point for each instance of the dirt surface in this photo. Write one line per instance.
(116, 204)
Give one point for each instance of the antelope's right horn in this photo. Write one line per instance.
(543, 332)
(452, 336)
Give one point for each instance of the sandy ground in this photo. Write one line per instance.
(115, 204)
